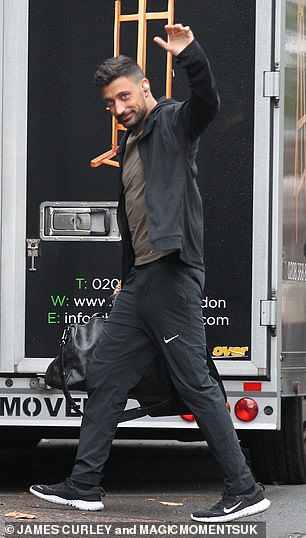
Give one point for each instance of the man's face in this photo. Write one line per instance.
(124, 98)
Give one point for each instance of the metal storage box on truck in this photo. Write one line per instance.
(60, 246)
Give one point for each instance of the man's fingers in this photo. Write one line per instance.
(176, 29)
(179, 37)
(159, 41)
(117, 288)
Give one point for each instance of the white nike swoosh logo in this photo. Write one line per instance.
(229, 510)
(167, 340)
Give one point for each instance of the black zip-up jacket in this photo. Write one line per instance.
(168, 148)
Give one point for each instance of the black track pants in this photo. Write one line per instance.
(158, 309)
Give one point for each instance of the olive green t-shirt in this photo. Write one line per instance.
(134, 187)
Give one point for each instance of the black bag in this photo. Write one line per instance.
(76, 347)
(155, 392)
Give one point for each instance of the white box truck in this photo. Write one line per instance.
(60, 245)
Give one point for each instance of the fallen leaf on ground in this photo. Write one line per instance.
(167, 503)
(20, 515)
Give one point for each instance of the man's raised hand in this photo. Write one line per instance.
(179, 37)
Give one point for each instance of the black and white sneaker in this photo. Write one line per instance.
(67, 493)
(232, 507)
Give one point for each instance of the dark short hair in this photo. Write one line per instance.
(119, 66)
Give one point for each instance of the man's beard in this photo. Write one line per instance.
(136, 118)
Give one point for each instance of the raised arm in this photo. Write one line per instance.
(203, 104)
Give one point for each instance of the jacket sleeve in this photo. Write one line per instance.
(203, 104)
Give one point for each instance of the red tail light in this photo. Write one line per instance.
(246, 409)
(188, 418)
(252, 386)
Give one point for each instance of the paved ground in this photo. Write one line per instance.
(149, 483)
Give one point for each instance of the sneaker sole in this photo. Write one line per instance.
(75, 503)
(247, 511)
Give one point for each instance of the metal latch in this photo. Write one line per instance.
(268, 314)
(33, 251)
(79, 221)
(271, 84)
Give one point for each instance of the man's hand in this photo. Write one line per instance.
(117, 288)
(179, 37)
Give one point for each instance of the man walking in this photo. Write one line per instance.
(159, 307)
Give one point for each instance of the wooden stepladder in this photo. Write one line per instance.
(142, 17)
(300, 137)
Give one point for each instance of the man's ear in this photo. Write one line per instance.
(145, 85)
